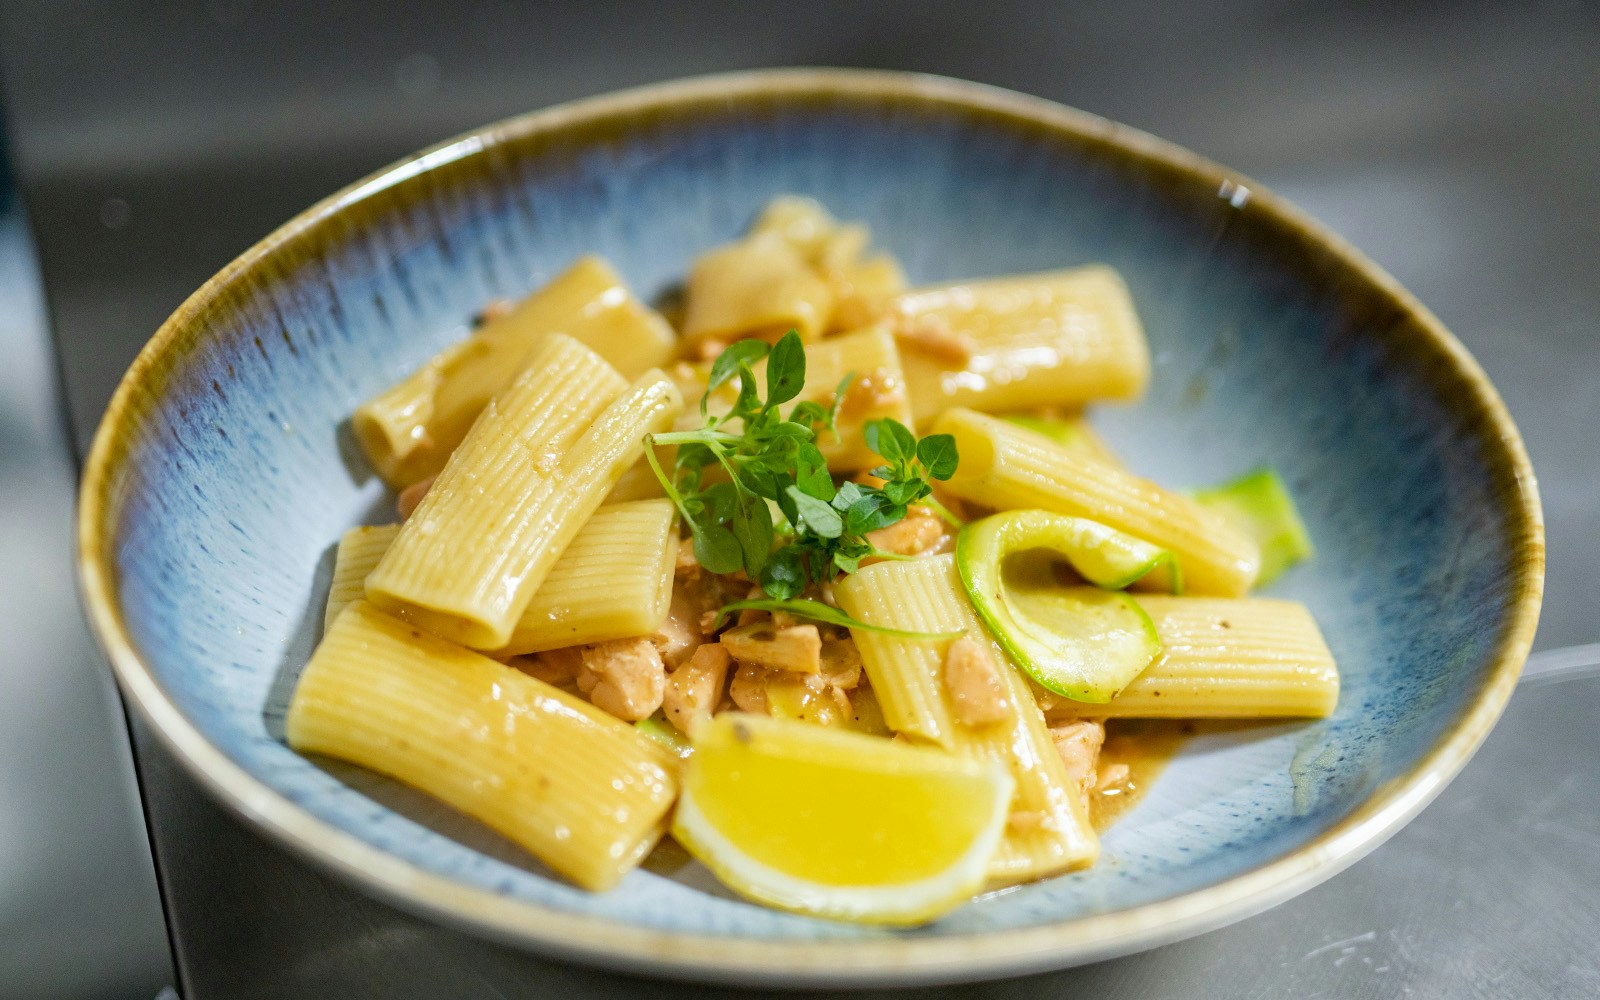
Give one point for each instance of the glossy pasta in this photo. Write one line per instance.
(760, 287)
(602, 590)
(1007, 467)
(1060, 338)
(926, 595)
(357, 554)
(583, 792)
(613, 581)
(410, 429)
(1231, 659)
(862, 286)
(513, 496)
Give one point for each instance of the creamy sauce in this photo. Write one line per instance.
(1144, 747)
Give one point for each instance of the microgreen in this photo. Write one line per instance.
(770, 467)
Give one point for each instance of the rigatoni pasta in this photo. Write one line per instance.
(584, 792)
(759, 287)
(357, 554)
(410, 429)
(612, 582)
(1250, 658)
(1007, 467)
(1052, 833)
(1062, 338)
(862, 286)
(534, 467)
(880, 663)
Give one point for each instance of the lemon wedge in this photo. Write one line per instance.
(839, 824)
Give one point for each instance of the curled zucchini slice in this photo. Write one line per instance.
(1082, 642)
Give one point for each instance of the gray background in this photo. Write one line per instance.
(1458, 144)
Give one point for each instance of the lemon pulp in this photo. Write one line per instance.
(838, 823)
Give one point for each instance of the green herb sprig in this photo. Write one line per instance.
(776, 473)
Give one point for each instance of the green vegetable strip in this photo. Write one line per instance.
(1259, 505)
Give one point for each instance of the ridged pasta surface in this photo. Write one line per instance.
(582, 791)
(409, 430)
(1060, 338)
(358, 552)
(533, 469)
(1009, 467)
(613, 581)
(926, 595)
(1247, 658)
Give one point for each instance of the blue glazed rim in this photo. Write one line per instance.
(877, 961)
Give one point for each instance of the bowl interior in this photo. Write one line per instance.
(233, 471)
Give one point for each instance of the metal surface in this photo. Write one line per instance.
(1492, 892)
(79, 912)
(1458, 145)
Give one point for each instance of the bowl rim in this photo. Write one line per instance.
(862, 962)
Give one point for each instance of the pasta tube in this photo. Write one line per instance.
(863, 291)
(862, 287)
(905, 674)
(358, 552)
(1008, 467)
(585, 793)
(409, 429)
(1074, 432)
(612, 582)
(638, 482)
(1054, 339)
(533, 469)
(757, 287)
(812, 231)
(1230, 659)
(926, 595)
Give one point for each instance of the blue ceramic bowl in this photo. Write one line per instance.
(224, 471)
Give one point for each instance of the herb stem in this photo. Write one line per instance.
(650, 441)
(703, 436)
(938, 508)
(877, 553)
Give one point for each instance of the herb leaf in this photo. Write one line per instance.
(905, 491)
(811, 472)
(871, 512)
(740, 353)
(716, 549)
(785, 573)
(752, 527)
(882, 438)
(770, 458)
(848, 493)
(815, 515)
(786, 369)
(937, 453)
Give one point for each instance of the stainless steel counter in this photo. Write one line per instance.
(1459, 146)
(1492, 892)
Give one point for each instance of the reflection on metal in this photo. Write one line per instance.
(79, 913)
(1568, 663)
